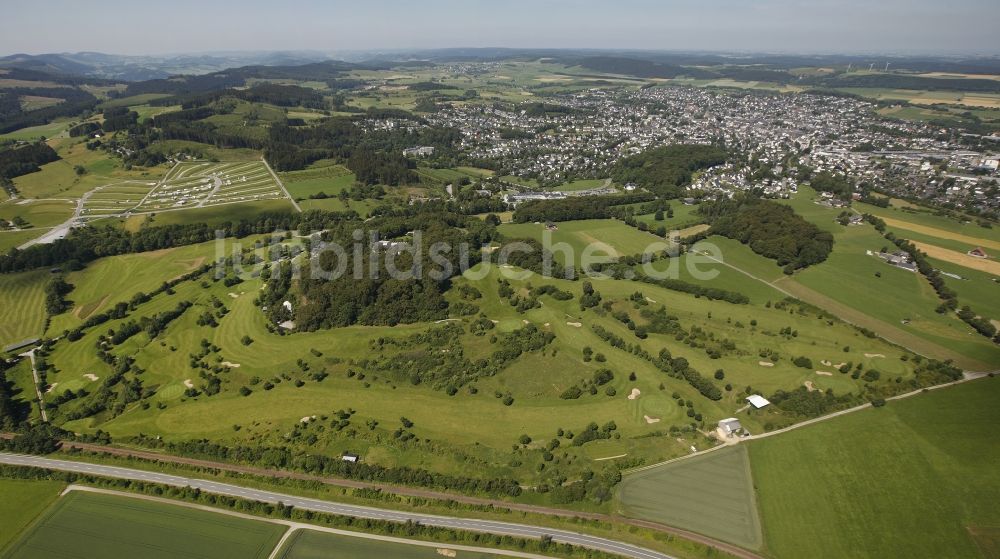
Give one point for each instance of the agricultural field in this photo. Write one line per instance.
(605, 237)
(896, 303)
(23, 501)
(85, 525)
(199, 185)
(312, 544)
(22, 298)
(915, 478)
(712, 494)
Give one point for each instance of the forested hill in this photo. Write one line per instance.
(666, 171)
(770, 229)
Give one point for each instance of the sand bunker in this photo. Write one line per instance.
(651, 420)
(51, 387)
(447, 552)
(635, 394)
(307, 419)
(827, 363)
(874, 355)
(765, 363)
(230, 365)
(824, 374)
(90, 376)
(809, 386)
(188, 383)
(234, 296)
(574, 324)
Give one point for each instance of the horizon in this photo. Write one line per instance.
(765, 26)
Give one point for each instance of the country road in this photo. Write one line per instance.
(317, 505)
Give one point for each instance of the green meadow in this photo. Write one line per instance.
(916, 478)
(264, 415)
(22, 502)
(22, 298)
(85, 525)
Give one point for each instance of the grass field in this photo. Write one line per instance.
(327, 179)
(311, 544)
(22, 502)
(12, 239)
(38, 213)
(22, 298)
(898, 301)
(911, 479)
(712, 494)
(87, 525)
(108, 281)
(604, 237)
(266, 414)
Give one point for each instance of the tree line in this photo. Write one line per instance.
(770, 229)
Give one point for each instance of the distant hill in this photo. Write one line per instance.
(139, 68)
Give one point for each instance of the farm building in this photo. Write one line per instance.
(899, 259)
(731, 427)
(350, 457)
(758, 401)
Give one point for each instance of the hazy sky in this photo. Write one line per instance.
(140, 27)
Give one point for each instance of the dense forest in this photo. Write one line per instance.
(85, 244)
(770, 229)
(666, 171)
(570, 209)
(18, 161)
(415, 294)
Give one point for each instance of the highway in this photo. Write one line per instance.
(317, 505)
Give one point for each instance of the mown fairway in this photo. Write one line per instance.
(710, 494)
(87, 525)
(912, 479)
(22, 300)
(535, 380)
(310, 544)
(21, 501)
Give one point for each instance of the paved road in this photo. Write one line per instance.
(469, 524)
(281, 184)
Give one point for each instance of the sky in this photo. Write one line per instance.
(791, 26)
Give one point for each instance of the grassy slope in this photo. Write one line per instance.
(906, 480)
(710, 494)
(22, 502)
(848, 278)
(83, 525)
(39, 213)
(23, 302)
(538, 411)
